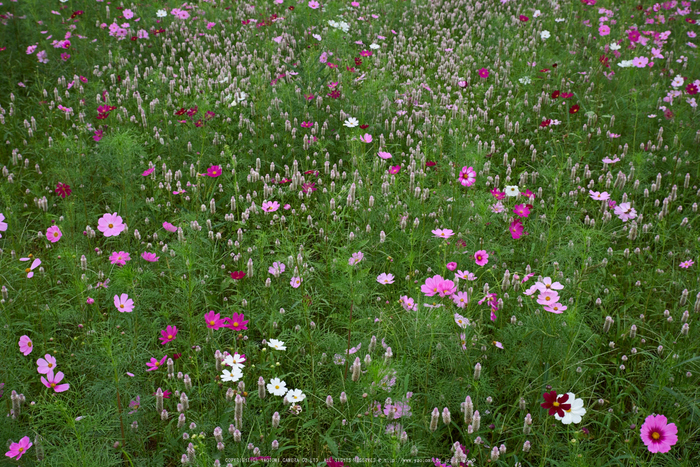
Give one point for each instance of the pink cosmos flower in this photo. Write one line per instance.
(443, 233)
(625, 211)
(3, 225)
(547, 284)
(148, 172)
(446, 287)
(366, 138)
(407, 303)
(356, 258)
(30, 269)
(461, 321)
(687, 264)
(119, 258)
(431, 285)
(270, 206)
(237, 322)
(466, 275)
(385, 155)
(604, 30)
(556, 308)
(214, 171)
(658, 434)
(467, 177)
(90, 301)
(295, 282)
(451, 266)
(169, 227)
(123, 303)
(53, 233)
(111, 225)
(483, 73)
(46, 365)
(604, 196)
(155, 364)
(516, 229)
(314, 4)
(522, 210)
(17, 450)
(531, 290)
(25, 345)
(548, 297)
(150, 257)
(52, 381)
(607, 160)
(210, 25)
(481, 257)
(168, 334)
(98, 135)
(214, 320)
(385, 278)
(394, 169)
(460, 299)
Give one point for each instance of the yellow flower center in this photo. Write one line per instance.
(656, 435)
(235, 324)
(110, 226)
(55, 234)
(20, 450)
(53, 385)
(212, 322)
(568, 410)
(27, 270)
(277, 386)
(170, 336)
(29, 344)
(157, 364)
(555, 404)
(121, 306)
(50, 365)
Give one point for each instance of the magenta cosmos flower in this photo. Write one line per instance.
(168, 334)
(522, 210)
(17, 450)
(467, 177)
(237, 322)
(214, 320)
(51, 381)
(111, 225)
(155, 364)
(119, 258)
(150, 257)
(3, 225)
(658, 434)
(53, 234)
(25, 345)
(442, 233)
(270, 206)
(394, 169)
(516, 229)
(484, 73)
(214, 171)
(148, 172)
(123, 303)
(687, 264)
(481, 257)
(46, 365)
(169, 227)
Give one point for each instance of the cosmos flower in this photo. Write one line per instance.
(276, 344)
(277, 387)
(658, 435)
(111, 225)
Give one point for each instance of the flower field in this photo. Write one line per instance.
(281, 232)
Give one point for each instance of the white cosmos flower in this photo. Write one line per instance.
(525, 80)
(277, 345)
(295, 395)
(615, 46)
(624, 63)
(559, 20)
(573, 415)
(234, 375)
(512, 190)
(277, 387)
(677, 81)
(161, 13)
(374, 46)
(236, 360)
(351, 122)
(545, 34)
(536, 13)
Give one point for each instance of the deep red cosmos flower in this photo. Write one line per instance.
(604, 60)
(236, 275)
(367, 126)
(524, 18)
(358, 61)
(691, 89)
(63, 190)
(574, 108)
(545, 123)
(555, 94)
(334, 94)
(555, 404)
(430, 164)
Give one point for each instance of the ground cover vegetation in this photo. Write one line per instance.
(338, 233)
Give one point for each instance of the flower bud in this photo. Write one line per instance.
(434, 419)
